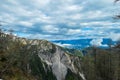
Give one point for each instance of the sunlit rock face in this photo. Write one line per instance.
(38, 60)
(58, 60)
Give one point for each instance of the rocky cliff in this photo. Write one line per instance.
(23, 59)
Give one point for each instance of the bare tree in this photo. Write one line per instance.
(116, 1)
(117, 16)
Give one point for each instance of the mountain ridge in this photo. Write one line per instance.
(41, 59)
(25, 59)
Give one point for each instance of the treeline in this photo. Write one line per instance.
(102, 64)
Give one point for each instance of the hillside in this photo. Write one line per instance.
(23, 59)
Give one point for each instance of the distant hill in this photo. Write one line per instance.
(83, 43)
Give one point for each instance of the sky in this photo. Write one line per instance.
(61, 19)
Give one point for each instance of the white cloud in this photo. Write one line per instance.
(40, 3)
(52, 16)
(103, 23)
(96, 42)
(73, 31)
(72, 8)
(26, 23)
(50, 29)
(64, 45)
(37, 36)
(77, 16)
(95, 14)
(115, 36)
(105, 45)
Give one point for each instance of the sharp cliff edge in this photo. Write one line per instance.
(23, 59)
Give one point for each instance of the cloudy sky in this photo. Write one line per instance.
(61, 19)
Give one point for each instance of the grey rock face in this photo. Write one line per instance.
(58, 68)
(57, 60)
(60, 62)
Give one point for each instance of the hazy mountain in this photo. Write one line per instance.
(83, 43)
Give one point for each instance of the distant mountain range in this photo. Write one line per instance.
(83, 43)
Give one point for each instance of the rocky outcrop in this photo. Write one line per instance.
(38, 60)
(58, 61)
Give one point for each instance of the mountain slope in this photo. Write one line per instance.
(22, 59)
